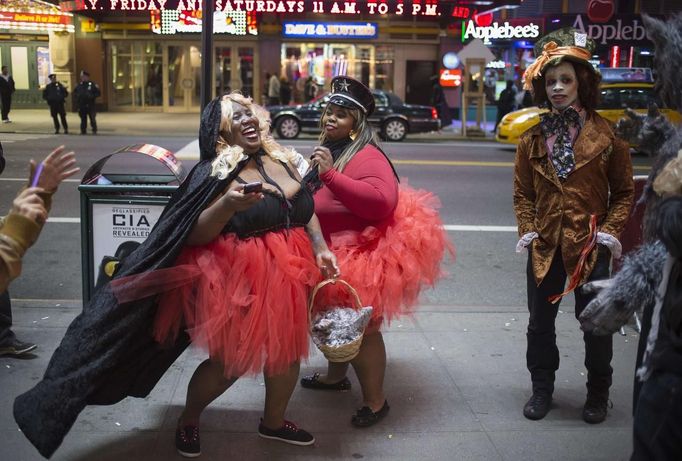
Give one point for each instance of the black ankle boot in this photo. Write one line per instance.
(538, 405)
(595, 409)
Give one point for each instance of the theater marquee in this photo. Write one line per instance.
(426, 8)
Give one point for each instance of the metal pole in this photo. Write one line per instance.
(207, 8)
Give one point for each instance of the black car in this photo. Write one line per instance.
(393, 118)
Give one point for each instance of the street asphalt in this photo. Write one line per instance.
(456, 381)
(38, 121)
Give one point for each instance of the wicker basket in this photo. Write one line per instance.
(345, 352)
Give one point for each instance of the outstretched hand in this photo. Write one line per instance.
(57, 167)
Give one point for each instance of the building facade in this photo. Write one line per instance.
(149, 59)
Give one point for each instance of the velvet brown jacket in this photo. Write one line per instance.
(559, 212)
(17, 234)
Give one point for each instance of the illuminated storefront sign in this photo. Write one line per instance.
(168, 22)
(622, 29)
(431, 8)
(329, 30)
(35, 21)
(450, 77)
(498, 31)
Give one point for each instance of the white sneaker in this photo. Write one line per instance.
(7, 121)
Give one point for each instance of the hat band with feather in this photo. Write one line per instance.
(550, 51)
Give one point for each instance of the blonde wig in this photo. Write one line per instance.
(228, 156)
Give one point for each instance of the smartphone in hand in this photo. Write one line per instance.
(252, 187)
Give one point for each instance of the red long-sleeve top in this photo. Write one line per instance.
(364, 194)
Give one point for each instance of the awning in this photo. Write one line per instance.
(34, 15)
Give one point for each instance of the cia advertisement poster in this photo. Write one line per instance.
(115, 224)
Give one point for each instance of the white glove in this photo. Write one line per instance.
(525, 241)
(611, 242)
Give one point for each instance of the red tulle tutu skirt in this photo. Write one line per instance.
(247, 300)
(389, 268)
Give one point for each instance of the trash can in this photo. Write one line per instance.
(122, 197)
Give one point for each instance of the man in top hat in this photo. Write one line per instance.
(573, 190)
(55, 94)
(85, 93)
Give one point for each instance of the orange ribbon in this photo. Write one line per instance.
(587, 249)
(549, 51)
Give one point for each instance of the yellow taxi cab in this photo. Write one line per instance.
(615, 98)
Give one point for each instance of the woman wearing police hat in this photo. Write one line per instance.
(573, 190)
(388, 238)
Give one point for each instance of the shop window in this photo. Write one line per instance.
(383, 68)
(137, 74)
(246, 70)
(314, 65)
(19, 55)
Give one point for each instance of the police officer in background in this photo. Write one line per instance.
(55, 94)
(85, 94)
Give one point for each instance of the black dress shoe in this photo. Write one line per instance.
(313, 382)
(595, 409)
(16, 348)
(537, 406)
(365, 417)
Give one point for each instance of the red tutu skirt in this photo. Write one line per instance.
(245, 301)
(389, 268)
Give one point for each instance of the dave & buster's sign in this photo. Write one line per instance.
(329, 30)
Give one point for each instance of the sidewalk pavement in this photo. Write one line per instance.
(456, 383)
(38, 121)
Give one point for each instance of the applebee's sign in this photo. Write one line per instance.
(618, 30)
(497, 31)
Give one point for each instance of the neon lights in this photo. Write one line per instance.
(35, 21)
(169, 22)
(329, 30)
(430, 8)
(498, 32)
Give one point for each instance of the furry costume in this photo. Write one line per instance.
(634, 287)
(651, 279)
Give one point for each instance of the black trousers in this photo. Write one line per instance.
(6, 100)
(657, 431)
(542, 354)
(85, 113)
(57, 109)
(6, 333)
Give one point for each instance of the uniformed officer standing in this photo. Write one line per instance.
(85, 93)
(55, 94)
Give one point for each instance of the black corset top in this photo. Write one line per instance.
(274, 212)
